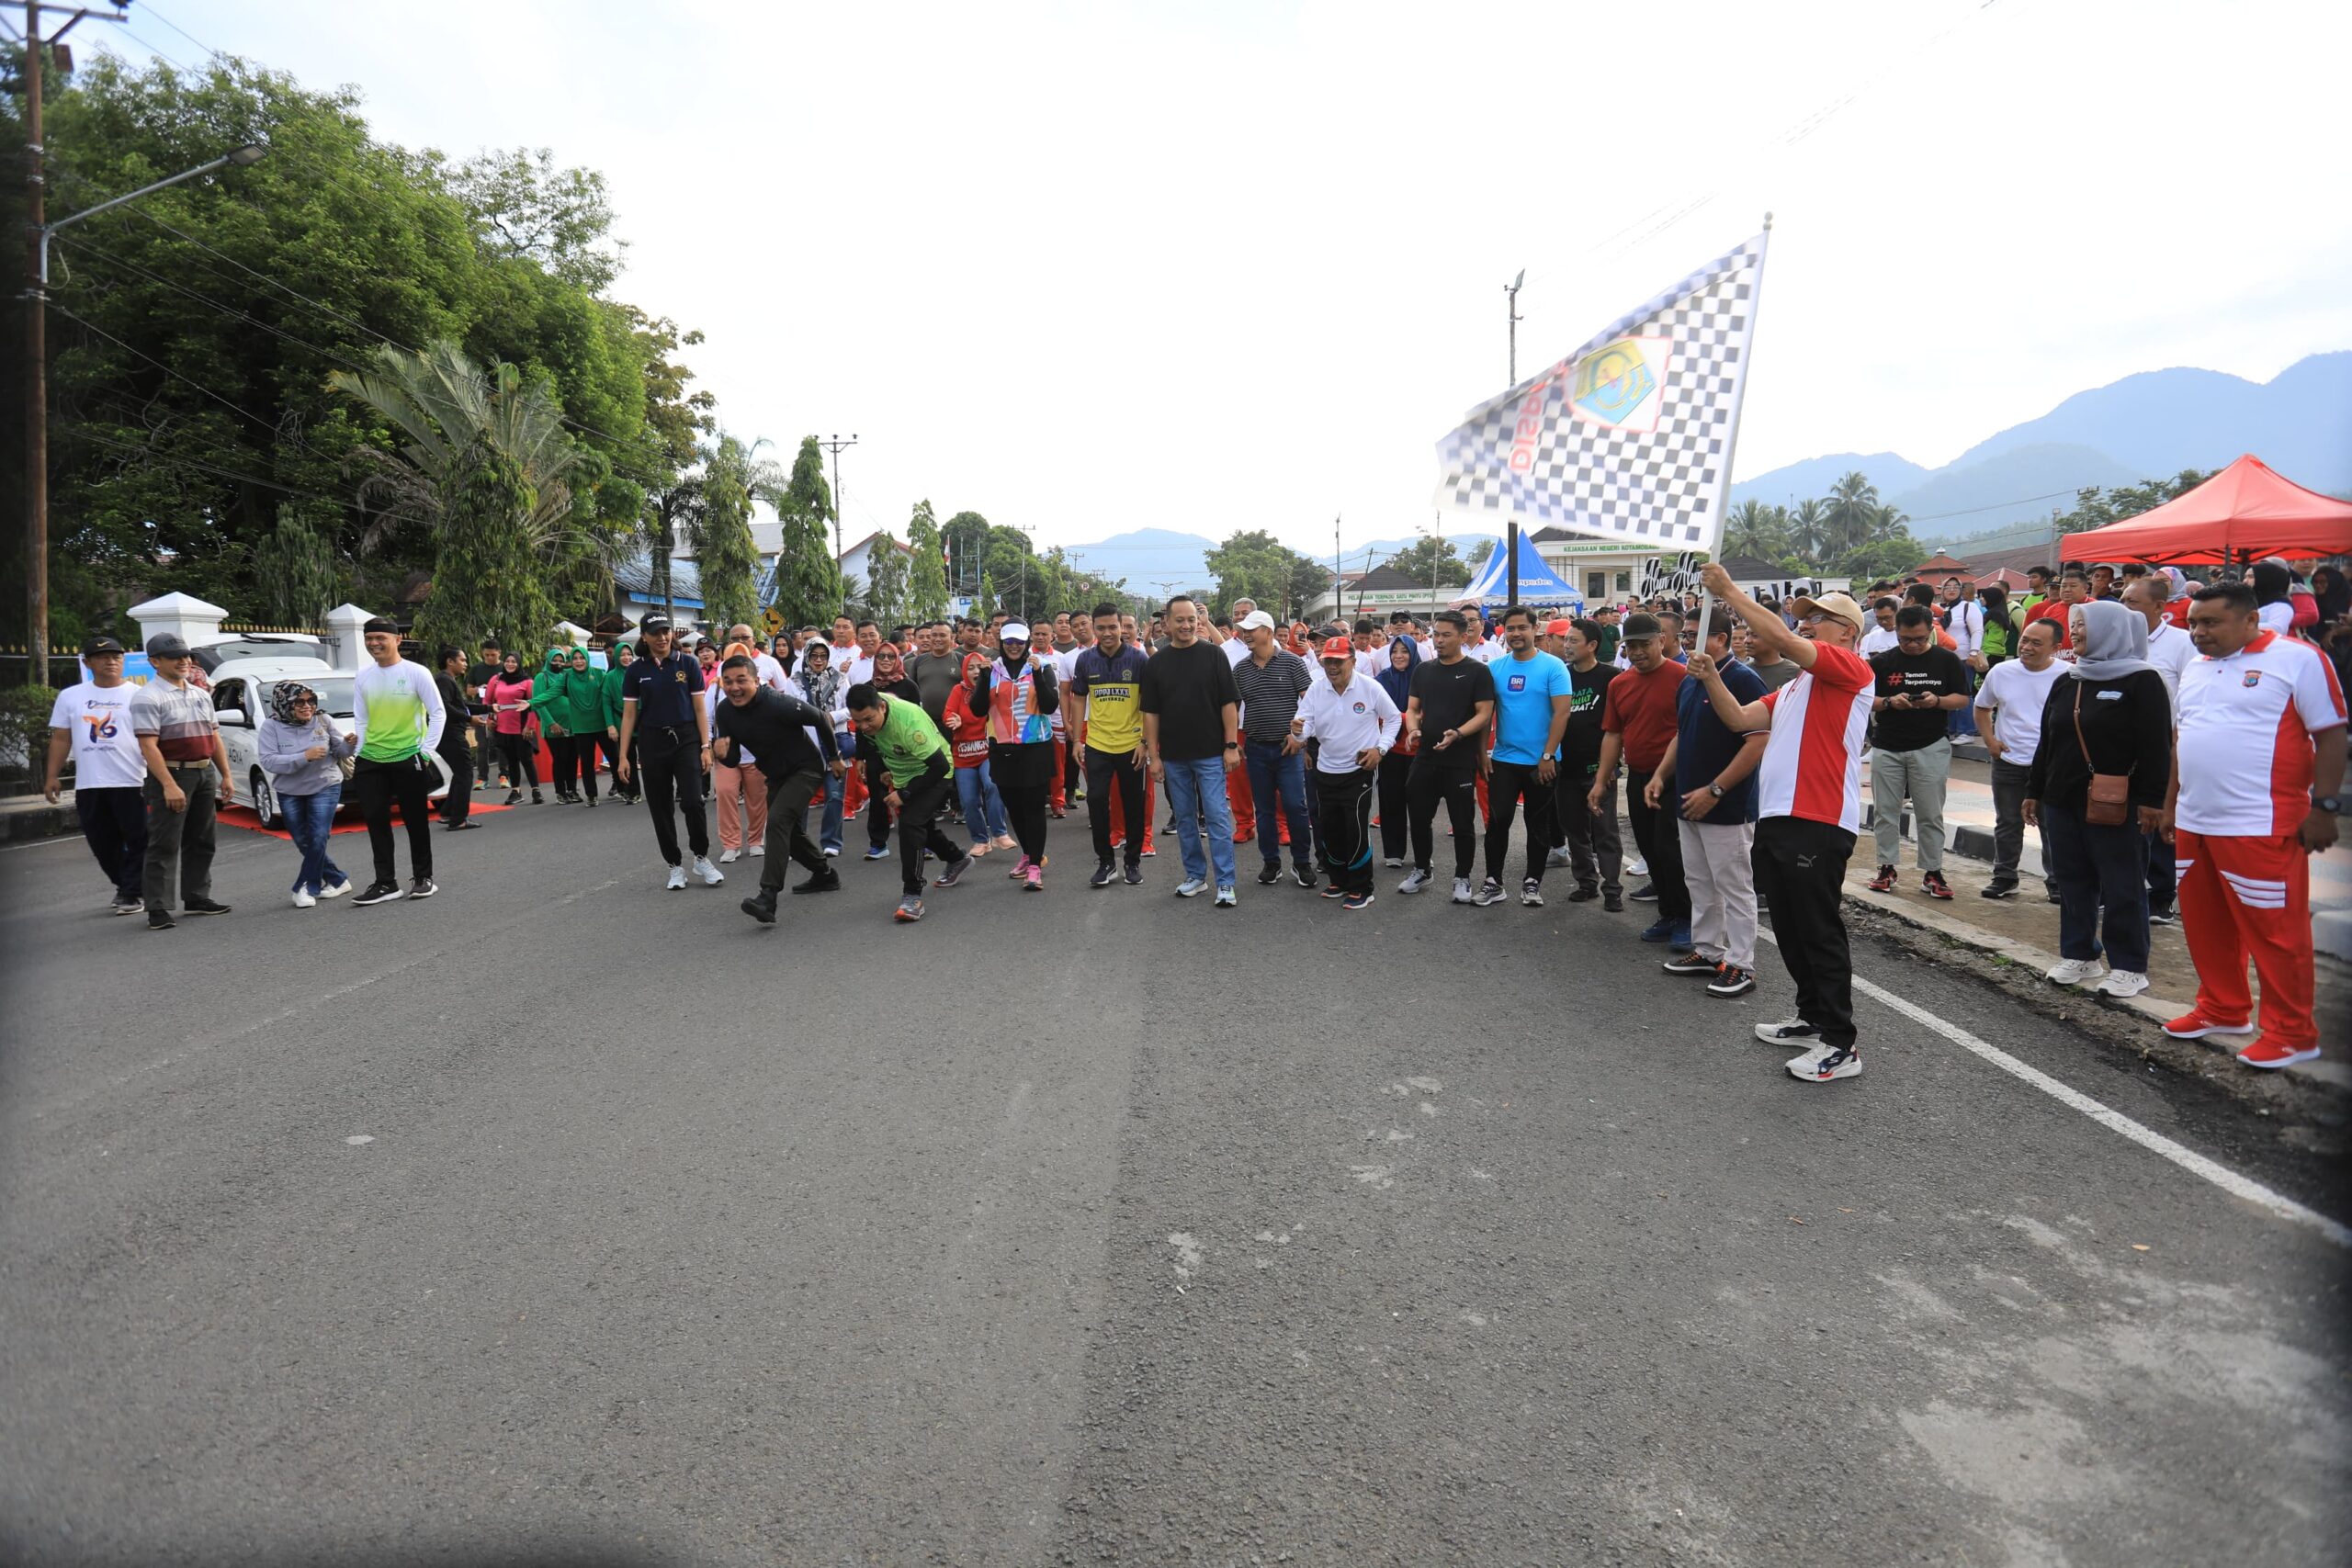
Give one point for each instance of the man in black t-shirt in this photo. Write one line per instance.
(1191, 739)
(1919, 685)
(1449, 705)
(1595, 853)
(776, 728)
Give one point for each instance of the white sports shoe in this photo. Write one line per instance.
(756, 851)
(677, 879)
(727, 857)
(334, 889)
(711, 876)
(2076, 971)
(2121, 983)
(1462, 893)
(303, 900)
(1825, 1063)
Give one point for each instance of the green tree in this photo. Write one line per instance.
(885, 582)
(1252, 564)
(486, 582)
(927, 573)
(1431, 559)
(984, 598)
(1849, 511)
(720, 528)
(1809, 530)
(808, 578)
(2096, 509)
(522, 204)
(1480, 553)
(967, 535)
(1756, 528)
(297, 578)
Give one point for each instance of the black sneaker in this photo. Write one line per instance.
(1730, 980)
(202, 906)
(825, 881)
(1103, 875)
(1583, 894)
(1613, 903)
(1690, 963)
(1302, 875)
(954, 872)
(379, 893)
(1490, 892)
(1335, 891)
(1271, 873)
(159, 920)
(423, 887)
(126, 905)
(1135, 874)
(1646, 894)
(1996, 890)
(1358, 901)
(514, 797)
(761, 907)
(2163, 917)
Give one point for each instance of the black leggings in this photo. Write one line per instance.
(519, 755)
(1396, 808)
(1024, 778)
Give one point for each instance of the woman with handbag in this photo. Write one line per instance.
(517, 727)
(306, 760)
(2100, 772)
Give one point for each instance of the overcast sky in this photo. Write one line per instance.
(1232, 263)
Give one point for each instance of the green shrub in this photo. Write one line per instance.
(24, 725)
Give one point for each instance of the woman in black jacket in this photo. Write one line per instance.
(2112, 717)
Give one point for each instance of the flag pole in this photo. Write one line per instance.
(1731, 442)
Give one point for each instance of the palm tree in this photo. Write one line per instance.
(1851, 502)
(1809, 530)
(1755, 528)
(486, 470)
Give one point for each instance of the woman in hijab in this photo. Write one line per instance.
(1019, 695)
(2112, 718)
(822, 687)
(2332, 594)
(302, 751)
(587, 724)
(1404, 655)
(967, 724)
(509, 696)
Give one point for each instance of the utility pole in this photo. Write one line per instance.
(1510, 308)
(834, 446)
(1339, 574)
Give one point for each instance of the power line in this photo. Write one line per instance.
(149, 10)
(169, 459)
(214, 304)
(299, 444)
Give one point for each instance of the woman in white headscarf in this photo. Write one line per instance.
(2111, 719)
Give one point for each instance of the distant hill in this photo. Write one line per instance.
(1147, 557)
(2150, 425)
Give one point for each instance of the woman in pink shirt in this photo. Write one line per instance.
(509, 696)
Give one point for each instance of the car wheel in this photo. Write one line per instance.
(265, 802)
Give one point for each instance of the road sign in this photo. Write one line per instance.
(773, 619)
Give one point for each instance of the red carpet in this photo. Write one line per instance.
(344, 822)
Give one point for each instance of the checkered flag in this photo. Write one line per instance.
(1630, 436)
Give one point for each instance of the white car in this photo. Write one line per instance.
(244, 683)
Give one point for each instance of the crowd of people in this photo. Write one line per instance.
(2177, 746)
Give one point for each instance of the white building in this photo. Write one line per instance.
(857, 562)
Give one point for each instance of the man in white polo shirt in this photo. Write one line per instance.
(2257, 775)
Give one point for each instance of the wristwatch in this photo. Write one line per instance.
(2331, 804)
(1716, 790)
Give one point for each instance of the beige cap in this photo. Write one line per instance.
(1839, 605)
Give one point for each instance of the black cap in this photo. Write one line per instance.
(380, 624)
(654, 624)
(93, 646)
(166, 645)
(1638, 626)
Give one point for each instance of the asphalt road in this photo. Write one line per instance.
(1094, 1227)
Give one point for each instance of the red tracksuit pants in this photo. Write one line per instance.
(2244, 897)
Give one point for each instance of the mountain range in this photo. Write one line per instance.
(2150, 425)
(2146, 426)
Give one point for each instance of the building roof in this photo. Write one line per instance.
(878, 533)
(2019, 559)
(1939, 562)
(635, 576)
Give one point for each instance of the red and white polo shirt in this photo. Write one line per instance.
(1813, 763)
(2247, 724)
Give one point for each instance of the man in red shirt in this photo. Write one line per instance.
(1637, 722)
(2074, 589)
(1809, 807)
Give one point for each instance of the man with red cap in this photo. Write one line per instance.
(1354, 722)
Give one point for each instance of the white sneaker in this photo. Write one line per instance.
(1823, 1064)
(677, 879)
(2121, 983)
(711, 876)
(1415, 883)
(834, 851)
(1462, 893)
(334, 889)
(1192, 887)
(727, 857)
(1639, 868)
(303, 900)
(2075, 971)
(756, 851)
(1788, 1031)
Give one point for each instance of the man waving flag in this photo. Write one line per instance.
(1630, 436)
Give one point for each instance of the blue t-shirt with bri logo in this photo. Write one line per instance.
(1703, 746)
(1523, 692)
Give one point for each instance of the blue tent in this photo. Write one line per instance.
(1538, 584)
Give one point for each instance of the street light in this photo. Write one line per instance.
(37, 362)
(1510, 290)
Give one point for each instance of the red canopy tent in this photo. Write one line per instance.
(2242, 514)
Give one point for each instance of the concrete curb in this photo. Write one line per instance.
(2333, 1076)
(27, 819)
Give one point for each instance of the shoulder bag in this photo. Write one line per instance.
(2108, 804)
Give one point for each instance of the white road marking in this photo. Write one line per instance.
(359, 1138)
(2148, 1138)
